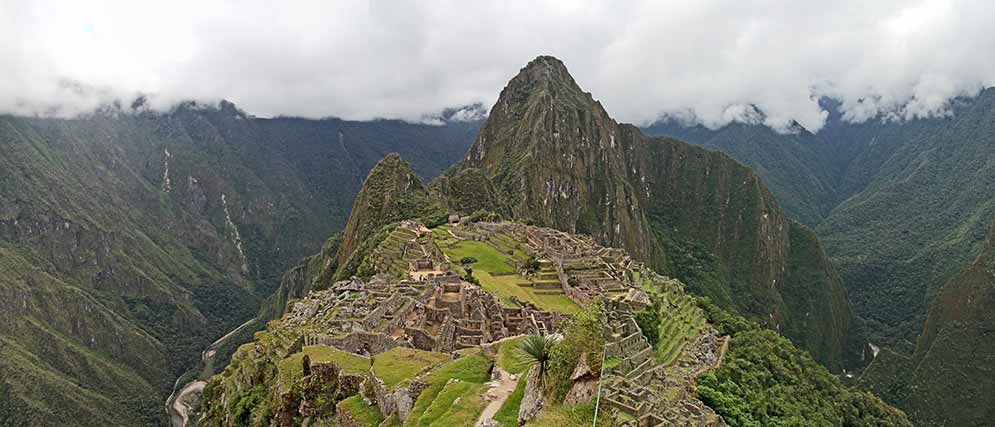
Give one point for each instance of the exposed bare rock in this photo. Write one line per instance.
(532, 400)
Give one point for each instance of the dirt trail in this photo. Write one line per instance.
(500, 389)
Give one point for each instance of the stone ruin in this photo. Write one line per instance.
(646, 391)
(431, 308)
(418, 301)
(652, 394)
(442, 313)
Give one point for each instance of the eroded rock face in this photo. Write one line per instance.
(532, 400)
(582, 391)
(585, 385)
(406, 397)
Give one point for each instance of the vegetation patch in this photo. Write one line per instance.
(566, 415)
(764, 380)
(365, 415)
(582, 337)
(509, 356)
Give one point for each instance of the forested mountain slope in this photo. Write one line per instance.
(131, 238)
(386, 345)
(899, 205)
(909, 205)
(948, 381)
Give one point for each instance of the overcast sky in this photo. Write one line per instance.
(409, 59)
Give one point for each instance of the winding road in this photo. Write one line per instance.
(182, 400)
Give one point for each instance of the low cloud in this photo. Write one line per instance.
(713, 61)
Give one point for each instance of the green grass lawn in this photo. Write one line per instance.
(398, 364)
(365, 415)
(509, 356)
(292, 368)
(488, 258)
(491, 260)
(459, 403)
(504, 287)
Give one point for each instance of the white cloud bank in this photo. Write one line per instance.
(412, 59)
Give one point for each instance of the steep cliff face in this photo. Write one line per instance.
(949, 381)
(556, 158)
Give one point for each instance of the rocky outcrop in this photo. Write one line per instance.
(585, 384)
(533, 399)
(390, 193)
(319, 388)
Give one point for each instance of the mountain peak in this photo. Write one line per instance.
(536, 105)
(542, 74)
(391, 192)
(547, 64)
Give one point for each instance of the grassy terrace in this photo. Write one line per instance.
(507, 416)
(490, 260)
(504, 287)
(399, 364)
(677, 327)
(452, 397)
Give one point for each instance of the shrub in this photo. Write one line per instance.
(582, 337)
(649, 323)
(535, 350)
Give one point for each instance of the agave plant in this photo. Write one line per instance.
(535, 350)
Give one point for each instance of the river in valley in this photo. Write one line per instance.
(184, 397)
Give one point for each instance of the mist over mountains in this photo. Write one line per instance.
(706, 59)
(364, 213)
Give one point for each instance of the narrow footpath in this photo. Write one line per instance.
(500, 390)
